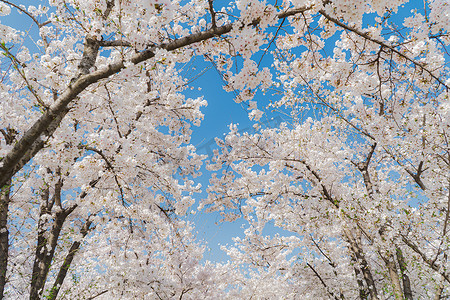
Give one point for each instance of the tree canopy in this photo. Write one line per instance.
(97, 168)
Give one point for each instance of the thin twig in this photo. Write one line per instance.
(27, 13)
(382, 44)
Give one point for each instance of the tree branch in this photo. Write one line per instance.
(213, 13)
(407, 292)
(68, 261)
(20, 154)
(383, 44)
(363, 167)
(27, 13)
(4, 235)
(115, 43)
(46, 243)
(428, 261)
(323, 283)
(360, 259)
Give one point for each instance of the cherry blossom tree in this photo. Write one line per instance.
(96, 161)
(358, 180)
(97, 169)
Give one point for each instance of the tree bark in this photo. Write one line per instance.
(407, 292)
(46, 246)
(359, 258)
(45, 251)
(395, 280)
(67, 262)
(32, 138)
(4, 235)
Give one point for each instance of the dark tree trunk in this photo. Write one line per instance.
(4, 236)
(67, 262)
(46, 242)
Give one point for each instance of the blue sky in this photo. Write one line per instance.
(220, 112)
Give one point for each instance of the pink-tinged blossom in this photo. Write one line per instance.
(100, 176)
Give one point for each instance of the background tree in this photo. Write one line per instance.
(95, 152)
(97, 171)
(359, 180)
